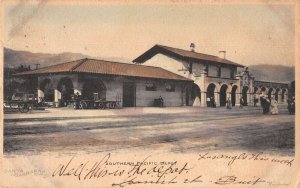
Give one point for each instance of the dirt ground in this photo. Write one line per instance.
(178, 130)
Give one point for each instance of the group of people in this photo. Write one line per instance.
(269, 105)
(211, 102)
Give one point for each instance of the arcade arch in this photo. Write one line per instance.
(210, 93)
(233, 95)
(195, 94)
(46, 87)
(223, 94)
(65, 87)
(283, 93)
(277, 93)
(93, 88)
(270, 92)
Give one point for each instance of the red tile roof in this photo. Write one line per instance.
(107, 68)
(182, 54)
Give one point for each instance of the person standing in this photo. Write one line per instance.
(291, 105)
(241, 102)
(228, 103)
(208, 102)
(255, 100)
(213, 102)
(77, 100)
(274, 106)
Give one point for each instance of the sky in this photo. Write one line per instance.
(250, 33)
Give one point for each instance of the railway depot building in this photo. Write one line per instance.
(213, 76)
(131, 85)
(180, 77)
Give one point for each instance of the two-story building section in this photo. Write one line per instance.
(214, 78)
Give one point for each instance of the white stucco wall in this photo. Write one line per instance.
(177, 66)
(146, 98)
(168, 63)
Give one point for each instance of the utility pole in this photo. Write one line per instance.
(37, 65)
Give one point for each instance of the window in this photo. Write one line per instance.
(232, 73)
(190, 67)
(206, 69)
(170, 87)
(219, 71)
(150, 87)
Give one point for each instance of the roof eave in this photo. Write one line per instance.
(151, 52)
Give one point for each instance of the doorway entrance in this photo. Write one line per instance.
(223, 96)
(195, 95)
(65, 87)
(233, 95)
(129, 94)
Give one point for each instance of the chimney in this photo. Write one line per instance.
(192, 46)
(224, 52)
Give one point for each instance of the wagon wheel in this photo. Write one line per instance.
(83, 105)
(23, 108)
(74, 105)
(101, 105)
(117, 105)
(5, 109)
(111, 105)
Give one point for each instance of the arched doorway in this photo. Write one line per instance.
(93, 88)
(210, 93)
(276, 94)
(65, 86)
(233, 95)
(283, 94)
(195, 94)
(244, 95)
(255, 90)
(187, 96)
(270, 93)
(223, 96)
(47, 87)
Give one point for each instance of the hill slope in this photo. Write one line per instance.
(275, 73)
(14, 58)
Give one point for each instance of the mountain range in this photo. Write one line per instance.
(15, 58)
(275, 73)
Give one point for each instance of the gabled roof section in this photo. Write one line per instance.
(103, 67)
(183, 55)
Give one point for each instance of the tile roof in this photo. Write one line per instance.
(183, 54)
(106, 68)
